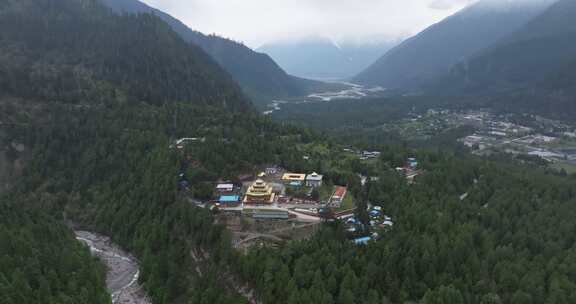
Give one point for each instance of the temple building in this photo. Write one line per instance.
(294, 179)
(259, 193)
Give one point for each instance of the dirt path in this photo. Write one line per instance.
(122, 276)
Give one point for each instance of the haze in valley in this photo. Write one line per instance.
(256, 22)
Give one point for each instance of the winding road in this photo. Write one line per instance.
(122, 275)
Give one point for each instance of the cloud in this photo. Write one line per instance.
(256, 22)
(447, 4)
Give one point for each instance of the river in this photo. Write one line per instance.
(122, 269)
(345, 91)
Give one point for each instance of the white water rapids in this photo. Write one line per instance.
(122, 275)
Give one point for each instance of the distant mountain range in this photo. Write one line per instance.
(322, 58)
(258, 75)
(433, 52)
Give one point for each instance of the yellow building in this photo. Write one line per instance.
(259, 193)
(294, 179)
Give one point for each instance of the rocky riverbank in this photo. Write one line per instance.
(122, 275)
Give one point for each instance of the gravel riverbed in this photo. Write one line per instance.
(122, 269)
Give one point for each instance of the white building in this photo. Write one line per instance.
(314, 180)
(225, 187)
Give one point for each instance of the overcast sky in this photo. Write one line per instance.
(256, 22)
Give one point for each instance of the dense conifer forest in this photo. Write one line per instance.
(41, 262)
(81, 52)
(99, 116)
(509, 241)
(112, 170)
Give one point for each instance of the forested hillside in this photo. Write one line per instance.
(531, 58)
(433, 52)
(509, 241)
(41, 262)
(99, 99)
(74, 51)
(112, 170)
(260, 77)
(86, 92)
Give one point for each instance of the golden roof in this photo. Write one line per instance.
(259, 188)
(294, 177)
(259, 192)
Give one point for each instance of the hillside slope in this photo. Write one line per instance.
(434, 51)
(257, 73)
(42, 262)
(539, 54)
(70, 50)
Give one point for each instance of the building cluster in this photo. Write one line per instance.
(554, 147)
(227, 193)
(410, 170)
(379, 222)
(363, 155)
(367, 155)
(263, 198)
(312, 180)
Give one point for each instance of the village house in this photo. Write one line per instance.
(412, 163)
(224, 188)
(370, 154)
(314, 180)
(229, 200)
(271, 170)
(337, 197)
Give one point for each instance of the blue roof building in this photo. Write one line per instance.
(412, 162)
(362, 240)
(229, 199)
(295, 184)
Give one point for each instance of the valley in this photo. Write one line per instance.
(122, 269)
(202, 172)
(337, 91)
(481, 131)
(486, 134)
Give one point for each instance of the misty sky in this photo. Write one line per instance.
(256, 22)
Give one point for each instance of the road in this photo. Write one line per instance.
(122, 275)
(305, 218)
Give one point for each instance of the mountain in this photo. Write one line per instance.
(257, 73)
(432, 53)
(78, 51)
(539, 55)
(322, 58)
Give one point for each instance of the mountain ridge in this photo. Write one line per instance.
(257, 73)
(529, 57)
(78, 52)
(432, 52)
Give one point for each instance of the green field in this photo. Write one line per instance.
(348, 202)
